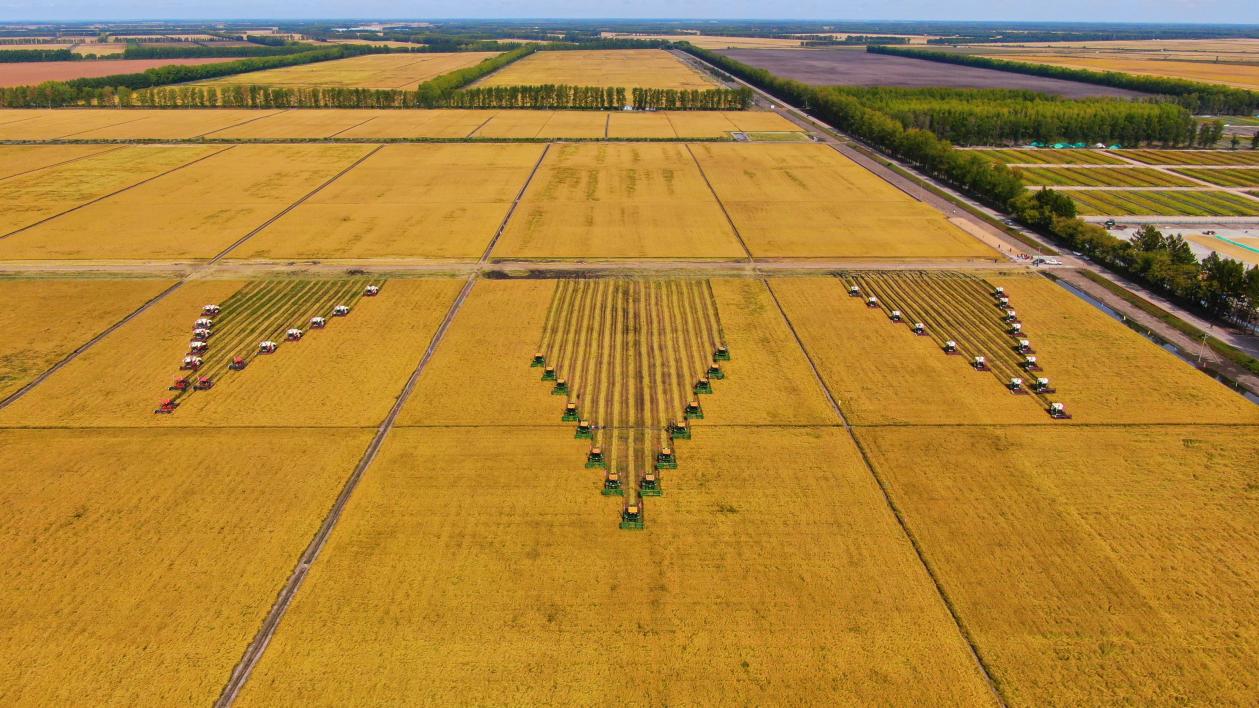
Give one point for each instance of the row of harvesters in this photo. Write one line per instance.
(1022, 346)
(202, 330)
(649, 484)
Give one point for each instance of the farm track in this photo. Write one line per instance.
(59, 164)
(981, 664)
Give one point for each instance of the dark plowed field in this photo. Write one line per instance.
(844, 67)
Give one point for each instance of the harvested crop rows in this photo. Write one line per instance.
(965, 316)
(1102, 177)
(632, 359)
(260, 319)
(1163, 203)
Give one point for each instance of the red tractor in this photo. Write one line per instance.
(166, 407)
(204, 384)
(181, 384)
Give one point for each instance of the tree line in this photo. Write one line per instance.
(16, 56)
(996, 185)
(1196, 96)
(1003, 116)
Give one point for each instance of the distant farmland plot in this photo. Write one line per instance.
(628, 68)
(855, 67)
(1226, 177)
(1163, 203)
(379, 71)
(1194, 157)
(1102, 177)
(1240, 75)
(1050, 157)
(37, 72)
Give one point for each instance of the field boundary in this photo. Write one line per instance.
(258, 646)
(114, 193)
(13, 397)
(984, 670)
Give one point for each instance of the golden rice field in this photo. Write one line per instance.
(1240, 75)
(811, 201)
(627, 68)
(139, 562)
(1105, 373)
(195, 212)
(824, 598)
(377, 71)
(1091, 565)
(366, 124)
(43, 320)
(416, 201)
(794, 499)
(38, 195)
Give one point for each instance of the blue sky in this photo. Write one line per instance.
(1231, 11)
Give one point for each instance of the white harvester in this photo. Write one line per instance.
(1059, 411)
(371, 290)
(191, 363)
(895, 316)
(1011, 316)
(203, 323)
(1029, 363)
(872, 301)
(201, 333)
(267, 347)
(950, 347)
(1042, 385)
(210, 310)
(340, 310)
(998, 292)
(1015, 385)
(920, 329)
(1024, 346)
(854, 291)
(1016, 329)
(318, 322)
(1003, 302)
(980, 364)
(294, 334)
(197, 346)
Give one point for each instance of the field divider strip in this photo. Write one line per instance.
(63, 162)
(88, 345)
(502, 227)
(115, 192)
(257, 647)
(223, 254)
(984, 670)
(102, 127)
(482, 125)
(720, 204)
